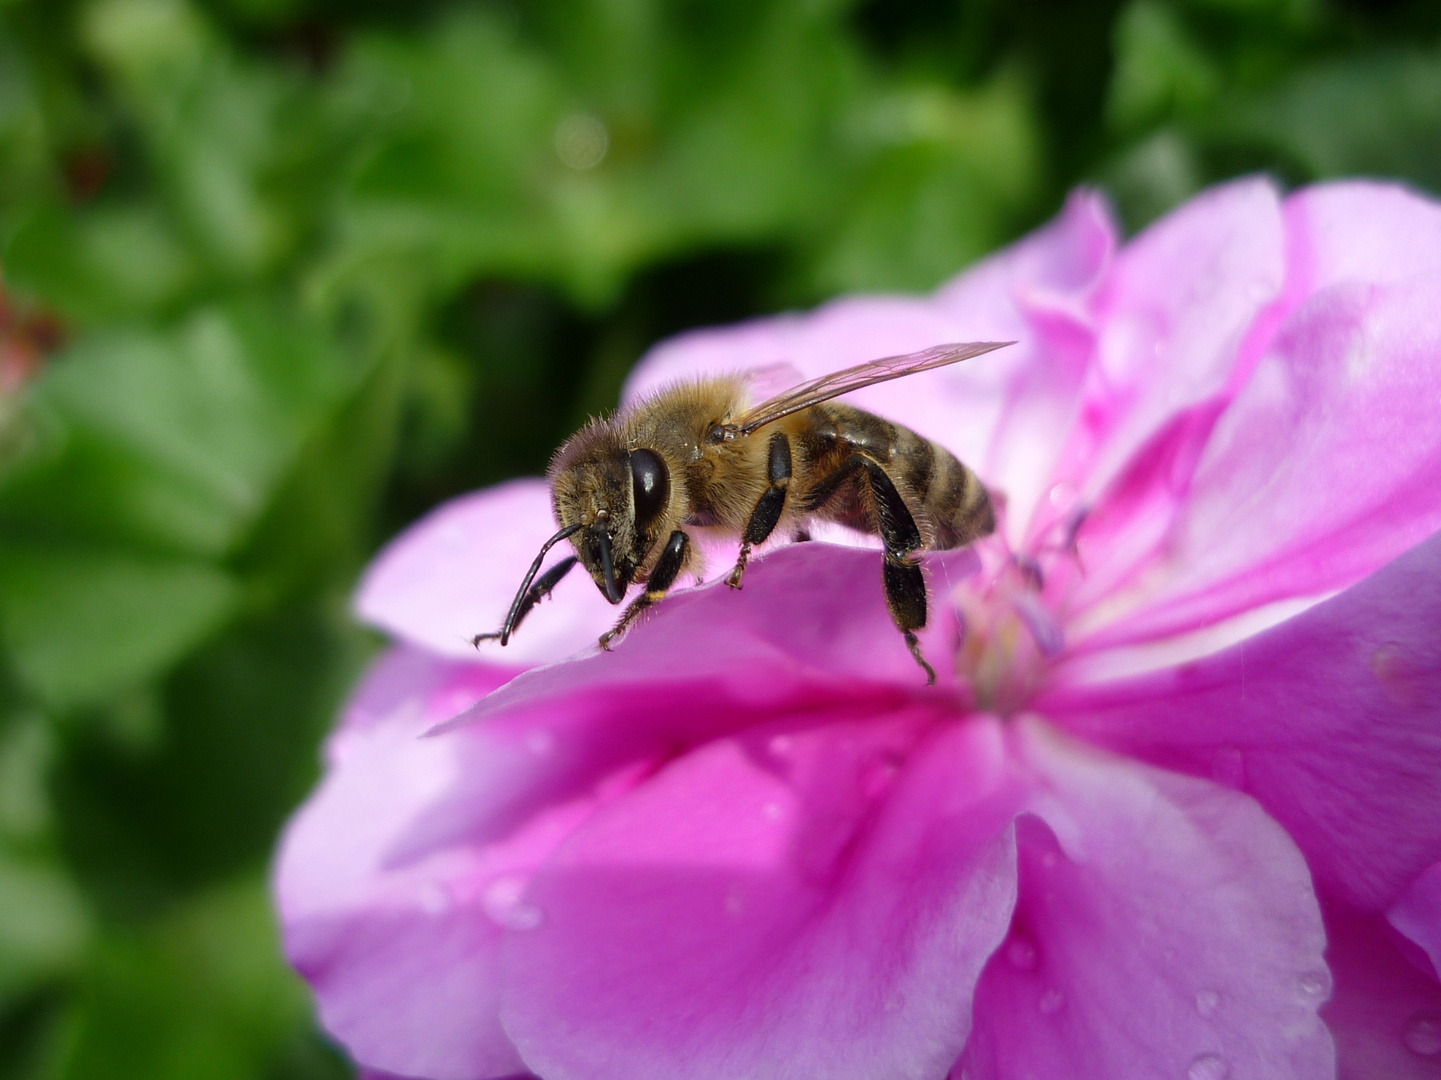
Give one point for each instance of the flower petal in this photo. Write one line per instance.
(1325, 467)
(1418, 915)
(1329, 719)
(1359, 231)
(1385, 1014)
(405, 974)
(786, 903)
(454, 573)
(1164, 927)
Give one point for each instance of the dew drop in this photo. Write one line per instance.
(1315, 985)
(1051, 1002)
(1207, 1002)
(1021, 952)
(1209, 1067)
(1423, 1035)
(435, 899)
(735, 901)
(503, 902)
(1061, 494)
(1228, 767)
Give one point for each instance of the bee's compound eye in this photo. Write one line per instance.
(651, 482)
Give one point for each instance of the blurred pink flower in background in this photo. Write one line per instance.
(1173, 810)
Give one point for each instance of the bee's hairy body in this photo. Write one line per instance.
(629, 490)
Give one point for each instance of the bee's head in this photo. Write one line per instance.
(619, 498)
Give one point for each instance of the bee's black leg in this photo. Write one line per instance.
(905, 585)
(534, 595)
(770, 505)
(667, 569)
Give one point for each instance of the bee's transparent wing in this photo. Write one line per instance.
(843, 382)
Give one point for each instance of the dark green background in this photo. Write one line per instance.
(299, 269)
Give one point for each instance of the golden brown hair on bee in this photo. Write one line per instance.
(626, 488)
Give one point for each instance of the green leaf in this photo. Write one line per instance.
(175, 440)
(84, 623)
(44, 926)
(1159, 68)
(202, 995)
(1377, 115)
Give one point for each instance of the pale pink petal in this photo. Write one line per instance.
(1359, 231)
(1326, 466)
(1183, 315)
(404, 970)
(1164, 927)
(1329, 719)
(1385, 1014)
(793, 902)
(1177, 314)
(1418, 915)
(454, 573)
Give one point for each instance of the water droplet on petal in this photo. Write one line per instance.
(435, 899)
(1315, 985)
(735, 901)
(1207, 1002)
(503, 901)
(1021, 952)
(1423, 1035)
(1228, 767)
(1051, 1002)
(1209, 1067)
(1062, 494)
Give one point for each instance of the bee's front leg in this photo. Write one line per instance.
(667, 569)
(769, 507)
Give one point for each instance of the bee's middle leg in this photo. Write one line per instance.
(769, 506)
(901, 575)
(667, 569)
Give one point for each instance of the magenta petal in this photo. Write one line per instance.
(1385, 1014)
(1418, 914)
(791, 903)
(1164, 927)
(1329, 719)
(454, 573)
(1325, 467)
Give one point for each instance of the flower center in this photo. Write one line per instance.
(1009, 633)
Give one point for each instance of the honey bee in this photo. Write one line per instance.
(696, 454)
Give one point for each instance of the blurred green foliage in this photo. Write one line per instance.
(281, 274)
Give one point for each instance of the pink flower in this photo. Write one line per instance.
(1173, 810)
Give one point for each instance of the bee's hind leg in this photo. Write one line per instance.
(905, 585)
(667, 569)
(769, 506)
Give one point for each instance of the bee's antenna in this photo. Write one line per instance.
(513, 616)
